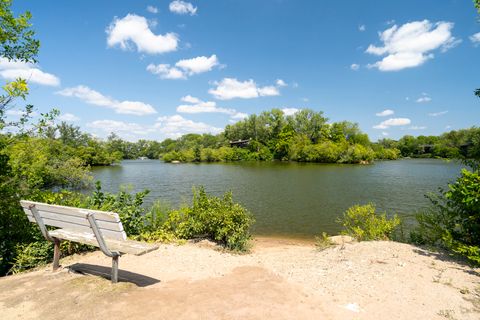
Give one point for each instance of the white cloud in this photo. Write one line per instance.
(384, 113)
(268, 91)
(417, 128)
(68, 117)
(109, 126)
(202, 107)
(182, 7)
(96, 98)
(135, 29)
(437, 114)
(198, 65)
(165, 71)
(475, 38)
(184, 68)
(424, 98)
(176, 126)
(354, 66)
(280, 83)
(198, 106)
(19, 113)
(230, 88)
(12, 70)
(290, 111)
(392, 122)
(190, 99)
(239, 115)
(410, 45)
(362, 28)
(384, 133)
(305, 99)
(152, 9)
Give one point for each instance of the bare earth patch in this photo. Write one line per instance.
(280, 279)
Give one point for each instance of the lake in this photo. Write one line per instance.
(297, 200)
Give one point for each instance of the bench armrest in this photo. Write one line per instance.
(98, 235)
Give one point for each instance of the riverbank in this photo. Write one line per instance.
(279, 279)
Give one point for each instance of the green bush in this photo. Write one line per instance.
(128, 206)
(453, 219)
(219, 219)
(357, 153)
(363, 223)
(31, 255)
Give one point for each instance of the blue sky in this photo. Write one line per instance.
(157, 69)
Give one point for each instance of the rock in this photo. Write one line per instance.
(175, 161)
(340, 240)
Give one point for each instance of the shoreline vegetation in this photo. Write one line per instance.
(271, 136)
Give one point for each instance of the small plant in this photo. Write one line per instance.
(323, 242)
(219, 219)
(363, 223)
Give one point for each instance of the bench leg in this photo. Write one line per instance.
(114, 277)
(56, 254)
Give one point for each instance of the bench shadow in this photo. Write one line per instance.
(105, 272)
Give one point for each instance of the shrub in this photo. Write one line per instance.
(323, 242)
(453, 219)
(357, 153)
(30, 255)
(363, 223)
(219, 219)
(128, 206)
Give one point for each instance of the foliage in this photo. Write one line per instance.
(41, 164)
(323, 242)
(17, 40)
(219, 219)
(127, 205)
(363, 223)
(464, 143)
(32, 254)
(453, 219)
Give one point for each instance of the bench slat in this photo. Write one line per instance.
(107, 225)
(107, 234)
(72, 211)
(123, 246)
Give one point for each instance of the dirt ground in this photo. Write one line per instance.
(279, 279)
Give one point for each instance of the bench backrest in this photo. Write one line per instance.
(75, 219)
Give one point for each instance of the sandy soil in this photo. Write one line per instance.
(279, 279)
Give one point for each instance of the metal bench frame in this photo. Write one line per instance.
(96, 231)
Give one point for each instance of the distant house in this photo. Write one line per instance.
(240, 143)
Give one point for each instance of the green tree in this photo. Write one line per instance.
(16, 43)
(310, 123)
(17, 39)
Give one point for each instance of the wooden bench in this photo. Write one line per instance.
(98, 228)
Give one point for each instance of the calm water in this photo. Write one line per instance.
(290, 199)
